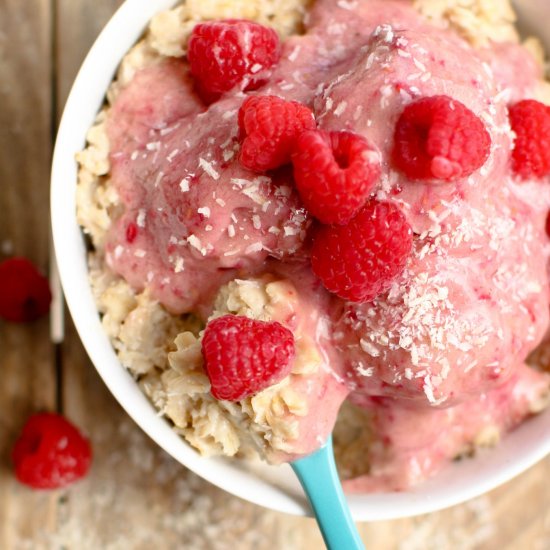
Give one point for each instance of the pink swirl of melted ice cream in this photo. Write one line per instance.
(444, 349)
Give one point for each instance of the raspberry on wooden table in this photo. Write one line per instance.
(530, 121)
(359, 261)
(269, 126)
(25, 294)
(50, 452)
(440, 138)
(243, 356)
(335, 173)
(225, 54)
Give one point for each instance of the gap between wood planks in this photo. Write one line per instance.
(57, 339)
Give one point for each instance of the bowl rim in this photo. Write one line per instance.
(83, 103)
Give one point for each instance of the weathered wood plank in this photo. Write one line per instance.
(78, 23)
(26, 355)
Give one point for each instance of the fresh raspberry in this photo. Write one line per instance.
(547, 224)
(439, 137)
(530, 120)
(243, 356)
(360, 260)
(270, 126)
(50, 452)
(334, 173)
(224, 54)
(25, 293)
(131, 232)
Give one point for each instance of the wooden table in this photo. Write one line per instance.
(137, 497)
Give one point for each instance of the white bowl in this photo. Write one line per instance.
(272, 487)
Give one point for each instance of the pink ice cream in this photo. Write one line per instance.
(442, 353)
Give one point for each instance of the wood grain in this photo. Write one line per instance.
(77, 24)
(26, 355)
(137, 497)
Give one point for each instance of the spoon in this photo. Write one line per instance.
(319, 478)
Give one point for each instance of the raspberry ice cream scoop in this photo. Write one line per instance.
(194, 217)
(465, 311)
(427, 294)
(414, 452)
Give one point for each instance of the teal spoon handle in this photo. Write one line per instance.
(319, 478)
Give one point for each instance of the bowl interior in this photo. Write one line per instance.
(273, 487)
